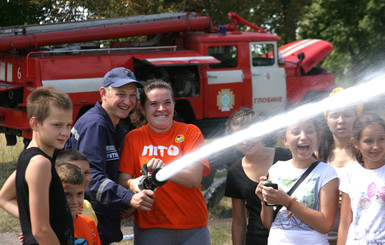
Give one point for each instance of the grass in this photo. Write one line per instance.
(8, 156)
(219, 216)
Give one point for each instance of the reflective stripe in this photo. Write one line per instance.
(2, 71)
(101, 189)
(75, 133)
(76, 85)
(110, 148)
(9, 72)
(298, 47)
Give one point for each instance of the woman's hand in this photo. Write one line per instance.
(133, 184)
(275, 196)
(154, 164)
(271, 195)
(258, 190)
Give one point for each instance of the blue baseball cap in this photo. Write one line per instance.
(120, 76)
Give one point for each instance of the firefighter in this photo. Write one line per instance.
(99, 136)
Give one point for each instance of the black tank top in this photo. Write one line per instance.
(59, 212)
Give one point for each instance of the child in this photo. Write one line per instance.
(73, 181)
(363, 185)
(79, 159)
(243, 177)
(44, 214)
(308, 214)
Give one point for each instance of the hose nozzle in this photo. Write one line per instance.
(149, 182)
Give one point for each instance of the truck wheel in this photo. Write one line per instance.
(215, 192)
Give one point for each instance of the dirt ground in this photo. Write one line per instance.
(9, 238)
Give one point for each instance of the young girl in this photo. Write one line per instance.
(363, 187)
(243, 177)
(308, 214)
(335, 146)
(335, 142)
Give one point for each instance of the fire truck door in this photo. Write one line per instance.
(268, 79)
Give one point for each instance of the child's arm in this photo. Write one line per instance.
(8, 199)
(239, 221)
(345, 220)
(38, 177)
(321, 220)
(267, 212)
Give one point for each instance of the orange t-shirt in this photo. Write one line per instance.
(84, 227)
(174, 207)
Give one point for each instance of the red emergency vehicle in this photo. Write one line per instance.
(214, 70)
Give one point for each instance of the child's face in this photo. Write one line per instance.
(75, 197)
(85, 167)
(340, 122)
(55, 130)
(248, 146)
(372, 143)
(301, 138)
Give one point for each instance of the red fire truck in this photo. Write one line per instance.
(214, 70)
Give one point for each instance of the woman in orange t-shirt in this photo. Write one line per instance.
(179, 212)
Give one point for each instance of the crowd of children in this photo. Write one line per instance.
(325, 172)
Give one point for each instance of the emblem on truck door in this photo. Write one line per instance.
(225, 100)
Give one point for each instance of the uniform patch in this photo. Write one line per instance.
(112, 153)
(179, 138)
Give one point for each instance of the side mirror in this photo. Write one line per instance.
(301, 56)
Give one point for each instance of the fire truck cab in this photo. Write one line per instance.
(214, 70)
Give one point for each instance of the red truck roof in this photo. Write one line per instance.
(315, 51)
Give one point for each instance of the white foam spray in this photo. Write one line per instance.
(348, 97)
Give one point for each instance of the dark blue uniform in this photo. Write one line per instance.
(95, 136)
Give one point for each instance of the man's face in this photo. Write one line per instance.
(118, 102)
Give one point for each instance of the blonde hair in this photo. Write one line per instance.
(358, 107)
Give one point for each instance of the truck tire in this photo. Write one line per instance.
(215, 192)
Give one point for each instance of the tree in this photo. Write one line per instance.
(21, 12)
(355, 28)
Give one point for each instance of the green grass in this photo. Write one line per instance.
(8, 156)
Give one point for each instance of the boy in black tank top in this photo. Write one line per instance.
(43, 210)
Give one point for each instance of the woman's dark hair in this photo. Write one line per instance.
(137, 118)
(326, 141)
(360, 124)
(243, 117)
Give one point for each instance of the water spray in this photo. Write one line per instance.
(348, 97)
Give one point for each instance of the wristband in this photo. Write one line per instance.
(291, 203)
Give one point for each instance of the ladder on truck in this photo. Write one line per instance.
(28, 36)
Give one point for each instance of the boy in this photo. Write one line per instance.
(79, 159)
(73, 181)
(8, 193)
(43, 210)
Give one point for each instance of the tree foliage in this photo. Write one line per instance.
(21, 12)
(355, 28)
(276, 16)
